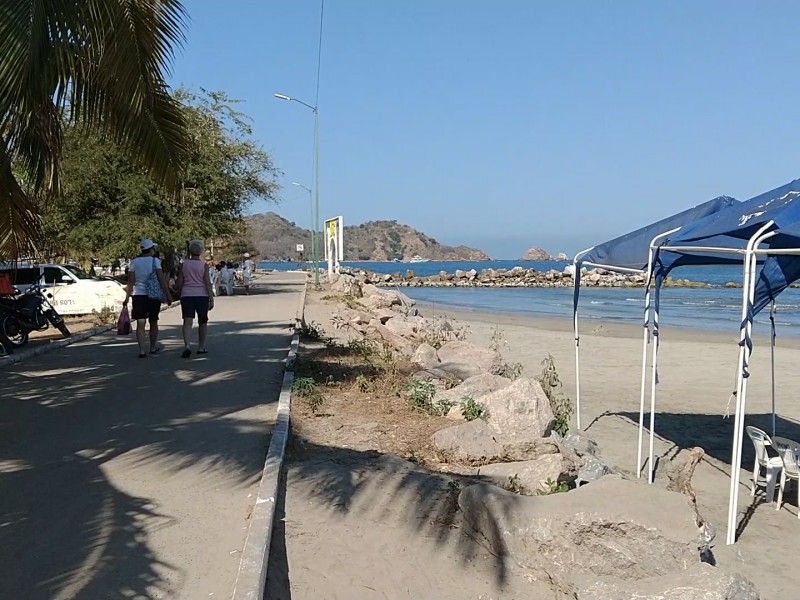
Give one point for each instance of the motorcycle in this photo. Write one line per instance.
(26, 312)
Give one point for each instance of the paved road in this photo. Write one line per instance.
(128, 478)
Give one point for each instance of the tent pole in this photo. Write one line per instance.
(648, 311)
(748, 293)
(576, 283)
(653, 378)
(577, 371)
(645, 340)
(772, 359)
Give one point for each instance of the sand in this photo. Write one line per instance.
(357, 525)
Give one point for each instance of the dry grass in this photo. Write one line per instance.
(365, 407)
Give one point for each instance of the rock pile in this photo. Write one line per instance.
(518, 277)
(611, 539)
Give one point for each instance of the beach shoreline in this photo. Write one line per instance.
(590, 326)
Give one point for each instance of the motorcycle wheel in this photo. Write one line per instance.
(13, 331)
(57, 321)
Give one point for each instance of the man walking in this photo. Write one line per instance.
(148, 288)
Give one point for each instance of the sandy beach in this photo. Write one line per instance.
(367, 513)
(697, 373)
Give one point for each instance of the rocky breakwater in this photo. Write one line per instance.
(546, 502)
(516, 277)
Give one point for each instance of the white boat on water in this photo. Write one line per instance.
(418, 259)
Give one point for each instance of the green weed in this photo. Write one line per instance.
(560, 404)
(472, 410)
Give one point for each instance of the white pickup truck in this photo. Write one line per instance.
(74, 291)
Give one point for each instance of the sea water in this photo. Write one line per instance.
(710, 309)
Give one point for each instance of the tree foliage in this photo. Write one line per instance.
(108, 202)
(94, 64)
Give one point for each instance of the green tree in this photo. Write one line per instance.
(94, 64)
(108, 202)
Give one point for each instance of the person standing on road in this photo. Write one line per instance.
(247, 272)
(197, 297)
(148, 288)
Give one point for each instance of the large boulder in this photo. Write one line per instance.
(370, 290)
(425, 356)
(396, 342)
(466, 360)
(611, 528)
(410, 328)
(530, 475)
(471, 443)
(348, 285)
(377, 302)
(698, 582)
(476, 443)
(476, 388)
(518, 412)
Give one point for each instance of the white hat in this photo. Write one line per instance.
(247, 255)
(146, 244)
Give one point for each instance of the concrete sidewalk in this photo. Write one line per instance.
(129, 478)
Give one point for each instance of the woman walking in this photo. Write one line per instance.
(247, 273)
(148, 288)
(197, 297)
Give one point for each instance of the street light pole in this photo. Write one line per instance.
(311, 206)
(315, 213)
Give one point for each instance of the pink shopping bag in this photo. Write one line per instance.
(124, 322)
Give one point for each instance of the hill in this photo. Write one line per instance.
(276, 239)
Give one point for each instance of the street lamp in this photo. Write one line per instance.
(311, 204)
(314, 252)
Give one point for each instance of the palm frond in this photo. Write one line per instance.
(95, 63)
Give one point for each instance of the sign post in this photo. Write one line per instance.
(334, 243)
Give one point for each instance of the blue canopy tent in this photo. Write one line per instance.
(631, 253)
(738, 232)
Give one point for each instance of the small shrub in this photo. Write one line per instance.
(416, 457)
(514, 484)
(362, 383)
(306, 388)
(349, 301)
(498, 339)
(420, 396)
(313, 331)
(303, 386)
(560, 404)
(363, 347)
(472, 410)
(105, 316)
(509, 371)
(549, 487)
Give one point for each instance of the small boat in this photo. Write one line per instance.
(418, 259)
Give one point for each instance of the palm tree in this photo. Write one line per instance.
(89, 63)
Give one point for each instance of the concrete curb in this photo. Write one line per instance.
(252, 576)
(52, 346)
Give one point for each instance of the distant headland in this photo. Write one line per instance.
(276, 239)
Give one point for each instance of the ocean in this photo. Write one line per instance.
(715, 309)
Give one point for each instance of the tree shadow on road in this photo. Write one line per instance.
(68, 529)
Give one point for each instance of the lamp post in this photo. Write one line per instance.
(315, 228)
(313, 236)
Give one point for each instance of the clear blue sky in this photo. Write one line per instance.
(503, 124)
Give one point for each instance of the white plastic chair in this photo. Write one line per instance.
(772, 465)
(788, 450)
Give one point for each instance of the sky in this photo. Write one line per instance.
(505, 124)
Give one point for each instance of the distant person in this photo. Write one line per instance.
(145, 281)
(247, 272)
(225, 276)
(231, 278)
(197, 297)
(213, 274)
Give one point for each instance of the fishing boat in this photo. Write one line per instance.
(418, 259)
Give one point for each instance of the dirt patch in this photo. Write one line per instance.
(361, 402)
